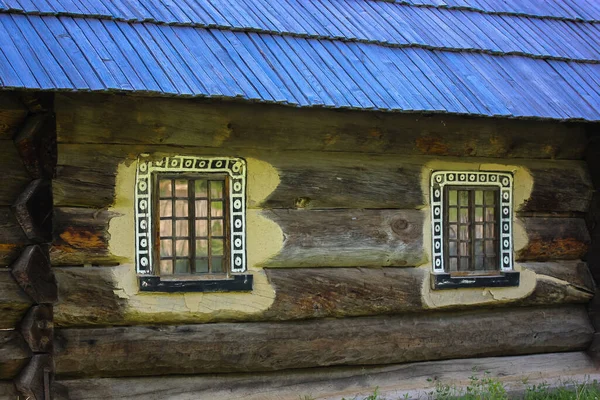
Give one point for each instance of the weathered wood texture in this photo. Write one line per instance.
(12, 115)
(33, 273)
(86, 178)
(91, 296)
(555, 239)
(8, 391)
(34, 381)
(33, 210)
(235, 347)
(36, 143)
(15, 177)
(85, 118)
(14, 303)
(391, 382)
(14, 353)
(37, 328)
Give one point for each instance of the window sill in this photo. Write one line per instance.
(449, 281)
(235, 283)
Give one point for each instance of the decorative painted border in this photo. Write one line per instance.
(234, 167)
(503, 180)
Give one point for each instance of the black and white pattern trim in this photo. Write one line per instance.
(503, 180)
(234, 167)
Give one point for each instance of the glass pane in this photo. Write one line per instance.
(202, 248)
(201, 228)
(182, 266)
(453, 264)
(452, 214)
(478, 197)
(463, 249)
(216, 209)
(182, 248)
(166, 248)
(166, 228)
(166, 209)
(452, 248)
(201, 265)
(490, 231)
(181, 228)
(166, 267)
(181, 188)
(490, 263)
(464, 264)
(478, 263)
(489, 247)
(181, 208)
(464, 215)
(478, 214)
(464, 233)
(217, 265)
(200, 188)
(452, 195)
(216, 189)
(478, 231)
(452, 231)
(489, 214)
(216, 228)
(478, 247)
(201, 208)
(165, 188)
(489, 197)
(216, 247)
(463, 198)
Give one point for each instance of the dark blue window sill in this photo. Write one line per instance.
(503, 279)
(235, 283)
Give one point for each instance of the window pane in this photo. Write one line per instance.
(452, 215)
(453, 264)
(181, 188)
(490, 231)
(217, 265)
(166, 248)
(216, 209)
(202, 248)
(452, 231)
(452, 195)
(216, 189)
(201, 208)
(479, 231)
(200, 188)
(216, 228)
(489, 247)
(181, 208)
(216, 247)
(201, 265)
(489, 214)
(463, 248)
(182, 248)
(166, 228)
(478, 247)
(479, 197)
(478, 214)
(182, 266)
(166, 267)
(452, 248)
(201, 228)
(463, 198)
(489, 197)
(479, 263)
(166, 209)
(165, 188)
(464, 215)
(464, 233)
(181, 228)
(490, 264)
(464, 264)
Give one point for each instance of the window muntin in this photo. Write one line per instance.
(495, 220)
(224, 208)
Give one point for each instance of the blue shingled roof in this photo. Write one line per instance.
(508, 58)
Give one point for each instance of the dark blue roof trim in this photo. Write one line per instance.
(63, 53)
(366, 21)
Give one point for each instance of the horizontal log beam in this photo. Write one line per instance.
(93, 296)
(554, 239)
(14, 303)
(14, 353)
(12, 114)
(85, 118)
(247, 347)
(391, 382)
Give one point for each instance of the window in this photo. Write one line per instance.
(190, 224)
(472, 229)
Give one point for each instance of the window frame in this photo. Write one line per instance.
(146, 199)
(505, 274)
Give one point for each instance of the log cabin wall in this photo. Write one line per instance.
(338, 227)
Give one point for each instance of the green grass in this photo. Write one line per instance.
(487, 388)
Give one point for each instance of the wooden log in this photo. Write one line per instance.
(234, 347)
(15, 177)
(33, 210)
(14, 353)
(14, 303)
(554, 239)
(86, 177)
(93, 296)
(36, 143)
(81, 237)
(33, 273)
(93, 118)
(12, 114)
(8, 391)
(35, 379)
(391, 382)
(37, 328)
